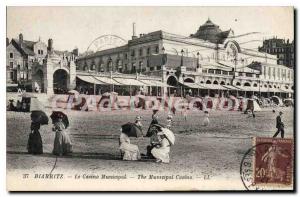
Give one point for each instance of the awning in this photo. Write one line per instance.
(212, 86)
(230, 87)
(107, 80)
(193, 85)
(90, 79)
(129, 82)
(154, 83)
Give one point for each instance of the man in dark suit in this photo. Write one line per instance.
(279, 126)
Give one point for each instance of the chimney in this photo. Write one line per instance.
(133, 33)
(50, 45)
(75, 52)
(21, 39)
(7, 41)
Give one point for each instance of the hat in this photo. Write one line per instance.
(138, 118)
(169, 116)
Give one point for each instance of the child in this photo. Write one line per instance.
(169, 121)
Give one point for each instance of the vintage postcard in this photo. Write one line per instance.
(150, 98)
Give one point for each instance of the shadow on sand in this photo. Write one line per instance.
(81, 155)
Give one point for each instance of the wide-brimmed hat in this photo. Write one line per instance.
(138, 118)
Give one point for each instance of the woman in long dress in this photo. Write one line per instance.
(161, 152)
(35, 143)
(62, 141)
(129, 151)
(206, 119)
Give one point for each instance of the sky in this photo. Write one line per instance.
(71, 27)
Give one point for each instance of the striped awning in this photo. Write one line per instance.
(212, 86)
(90, 79)
(154, 83)
(193, 85)
(129, 82)
(107, 80)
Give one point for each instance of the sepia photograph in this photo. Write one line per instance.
(153, 98)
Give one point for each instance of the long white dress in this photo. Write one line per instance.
(130, 151)
(162, 152)
(206, 120)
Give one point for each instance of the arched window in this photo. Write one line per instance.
(247, 84)
(222, 83)
(238, 84)
(208, 82)
(216, 82)
(255, 85)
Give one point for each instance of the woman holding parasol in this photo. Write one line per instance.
(62, 141)
(130, 151)
(38, 118)
(161, 152)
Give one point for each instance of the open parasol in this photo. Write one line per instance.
(169, 135)
(132, 130)
(58, 114)
(37, 112)
(75, 92)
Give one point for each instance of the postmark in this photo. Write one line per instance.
(268, 164)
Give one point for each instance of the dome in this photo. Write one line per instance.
(208, 31)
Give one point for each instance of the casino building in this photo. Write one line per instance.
(207, 62)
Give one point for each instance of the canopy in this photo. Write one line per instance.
(154, 83)
(90, 79)
(230, 87)
(129, 82)
(107, 80)
(212, 86)
(192, 85)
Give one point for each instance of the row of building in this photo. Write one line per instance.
(210, 59)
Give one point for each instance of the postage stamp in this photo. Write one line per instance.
(268, 164)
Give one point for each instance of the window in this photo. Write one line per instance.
(126, 56)
(11, 55)
(133, 70)
(156, 49)
(141, 52)
(218, 72)
(133, 53)
(257, 76)
(125, 68)
(42, 52)
(148, 51)
(140, 66)
(240, 74)
(151, 68)
(211, 71)
(11, 65)
(230, 73)
(158, 67)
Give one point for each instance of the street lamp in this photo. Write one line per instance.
(182, 52)
(110, 63)
(198, 54)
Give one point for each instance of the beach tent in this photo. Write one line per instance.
(112, 97)
(277, 100)
(252, 104)
(288, 102)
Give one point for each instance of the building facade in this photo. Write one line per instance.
(21, 56)
(284, 50)
(38, 67)
(210, 57)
